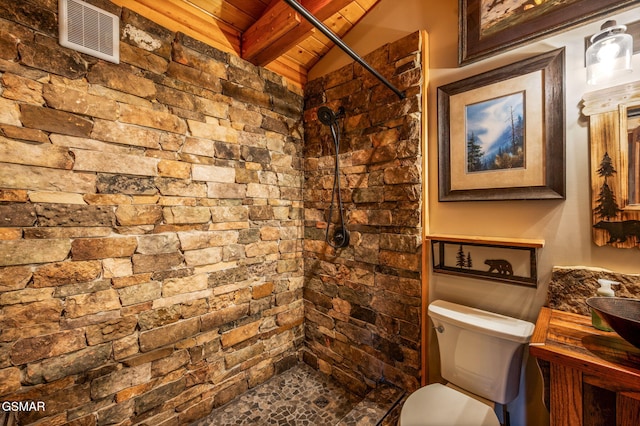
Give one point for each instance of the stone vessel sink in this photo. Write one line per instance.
(622, 314)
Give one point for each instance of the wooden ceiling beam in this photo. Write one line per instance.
(268, 39)
(273, 24)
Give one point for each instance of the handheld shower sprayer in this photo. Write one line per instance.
(328, 117)
(341, 233)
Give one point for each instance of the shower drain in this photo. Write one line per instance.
(321, 402)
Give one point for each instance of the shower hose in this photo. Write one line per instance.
(341, 234)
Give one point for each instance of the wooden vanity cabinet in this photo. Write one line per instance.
(591, 377)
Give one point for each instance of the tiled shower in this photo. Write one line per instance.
(161, 246)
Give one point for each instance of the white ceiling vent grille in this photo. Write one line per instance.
(89, 30)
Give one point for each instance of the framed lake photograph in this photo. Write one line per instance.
(488, 27)
(501, 133)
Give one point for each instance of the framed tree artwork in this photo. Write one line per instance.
(488, 27)
(501, 133)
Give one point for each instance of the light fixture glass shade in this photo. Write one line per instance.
(609, 54)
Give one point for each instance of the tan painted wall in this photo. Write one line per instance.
(564, 225)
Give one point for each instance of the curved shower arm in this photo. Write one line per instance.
(334, 38)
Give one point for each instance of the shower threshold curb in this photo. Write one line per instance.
(376, 406)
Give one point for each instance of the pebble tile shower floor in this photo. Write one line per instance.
(303, 396)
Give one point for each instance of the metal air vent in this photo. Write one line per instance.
(89, 30)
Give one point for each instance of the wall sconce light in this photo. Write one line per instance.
(609, 53)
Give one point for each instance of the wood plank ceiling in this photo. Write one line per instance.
(267, 33)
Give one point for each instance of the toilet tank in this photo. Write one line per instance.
(480, 351)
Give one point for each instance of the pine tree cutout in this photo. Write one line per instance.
(460, 259)
(606, 167)
(469, 261)
(607, 206)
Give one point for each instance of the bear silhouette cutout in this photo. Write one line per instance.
(619, 231)
(500, 266)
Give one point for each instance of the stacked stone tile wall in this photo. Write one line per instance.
(362, 303)
(150, 224)
(571, 286)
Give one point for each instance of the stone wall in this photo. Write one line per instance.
(571, 286)
(151, 224)
(362, 303)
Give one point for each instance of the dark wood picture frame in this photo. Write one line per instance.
(526, 26)
(549, 67)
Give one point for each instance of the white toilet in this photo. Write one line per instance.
(481, 357)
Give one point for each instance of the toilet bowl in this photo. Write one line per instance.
(440, 405)
(481, 359)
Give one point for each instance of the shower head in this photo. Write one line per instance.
(328, 117)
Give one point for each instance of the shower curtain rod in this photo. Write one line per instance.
(334, 38)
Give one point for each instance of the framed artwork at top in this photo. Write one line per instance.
(501, 133)
(491, 26)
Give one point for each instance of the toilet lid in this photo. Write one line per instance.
(439, 405)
